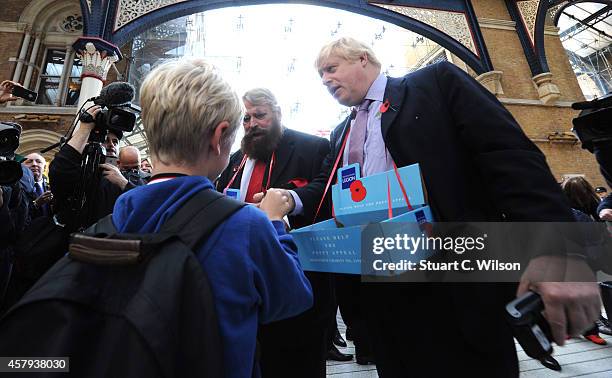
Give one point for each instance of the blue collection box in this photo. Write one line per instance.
(335, 245)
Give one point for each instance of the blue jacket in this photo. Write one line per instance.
(251, 263)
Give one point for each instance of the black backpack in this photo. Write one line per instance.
(127, 305)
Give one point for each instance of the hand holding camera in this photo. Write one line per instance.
(44, 198)
(113, 174)
(569, 293)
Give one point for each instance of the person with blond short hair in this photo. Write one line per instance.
(477, 166)
(190, 116)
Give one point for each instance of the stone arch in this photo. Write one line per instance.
(40, 15)
(35, 140)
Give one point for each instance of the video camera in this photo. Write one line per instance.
(10, 170)
(530, 328)
(593, 126)
(136, 176)
(118, 114)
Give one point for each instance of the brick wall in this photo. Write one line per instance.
(10, 44)
(538, 121)
(491, 9)
(11, 9)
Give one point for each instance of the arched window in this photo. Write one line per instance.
(47, 63)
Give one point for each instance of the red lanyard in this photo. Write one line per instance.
(333, 173)
(241, 166)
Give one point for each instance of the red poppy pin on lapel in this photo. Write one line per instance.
(384, 106)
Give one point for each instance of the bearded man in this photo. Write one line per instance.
(272, 155)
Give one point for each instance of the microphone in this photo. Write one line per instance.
(114, 94)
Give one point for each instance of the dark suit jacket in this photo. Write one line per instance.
(477, 165)
(298, 156)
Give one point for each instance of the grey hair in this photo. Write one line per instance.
(262, 96)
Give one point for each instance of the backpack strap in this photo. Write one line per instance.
(103, 226)
(199, 216)
(193, 222)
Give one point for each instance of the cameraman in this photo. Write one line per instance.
(64, 173)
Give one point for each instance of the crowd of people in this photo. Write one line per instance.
(274, 318)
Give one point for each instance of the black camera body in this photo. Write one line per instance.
(118, 114)
(529, 327)
(135, 176)
(593, 126)
(10, 170)
(118, 117)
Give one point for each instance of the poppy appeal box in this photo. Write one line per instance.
(335, 246)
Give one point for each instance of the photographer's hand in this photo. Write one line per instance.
(6, 91)
(606, 214)
(44, 198)
(113, 174)
(569, 292)
(81, 134)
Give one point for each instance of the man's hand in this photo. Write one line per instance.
(6, 91)
(569, 293)
(276, 204)
(606, 214)
(81, 135)
(257, 197)
(113, 174)
(44, 198)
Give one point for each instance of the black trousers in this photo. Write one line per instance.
(349, 298)
(293, 347)
(440, 330)
(299, 344)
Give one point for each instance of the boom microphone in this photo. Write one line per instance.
(117, 93)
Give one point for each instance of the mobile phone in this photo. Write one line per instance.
(27, 94)
(110, 160)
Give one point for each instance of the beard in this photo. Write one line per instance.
(259, 143)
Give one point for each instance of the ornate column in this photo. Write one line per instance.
(548, 92)
(529, 16)
(32, 61)
(22, 55)
(68, 58)
(492, 81)
(97, 56)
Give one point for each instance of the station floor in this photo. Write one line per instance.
(578, 358)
